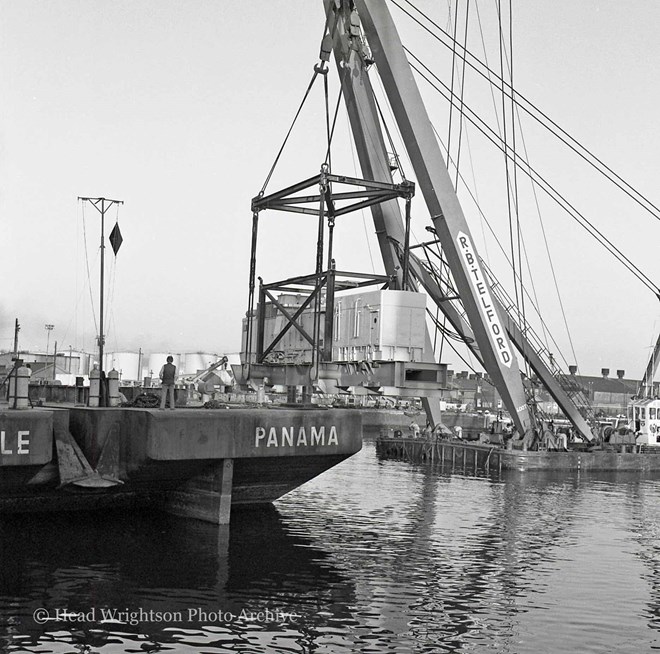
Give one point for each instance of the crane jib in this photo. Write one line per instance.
(485, 301)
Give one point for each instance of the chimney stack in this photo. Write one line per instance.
(572, 370)
(605, 372)
(620, 374)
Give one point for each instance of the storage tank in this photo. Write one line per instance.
(125, 363)
(190, 363)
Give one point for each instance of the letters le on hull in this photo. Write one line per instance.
(295, 436)
(14, 443)
(477, 278)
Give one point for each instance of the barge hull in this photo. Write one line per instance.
(191, 462)
(497, 458)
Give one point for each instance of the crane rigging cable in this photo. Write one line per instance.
(451, 83)
(443, 264)
(524, 292)
(393, 149)
(537, 114)
(512, 179)
(457, 353)
(460, 124)
(534, 303)
(475, 198)
(487, 131)
(286, 138)
(322, 70)
(505, 141)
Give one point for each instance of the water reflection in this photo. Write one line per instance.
(449, 560)
(644, 516)
(178, 580)
(377, 556)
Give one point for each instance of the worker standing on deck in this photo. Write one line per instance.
(167, 376)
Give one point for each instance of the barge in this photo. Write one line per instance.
(190, 462)
(494, 457)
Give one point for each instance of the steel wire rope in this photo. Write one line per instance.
(512, 181)
(460, 133)
(331, 133)
(485, 220)
(89, 277)
(286, 138)
(463, 359)
(547, 187)
(453, 71)
(460, 124)
(549, 258)
(316, 354)
(454, 336)
(534, 303)
(583, 152)
(364, 220)
(505, 141)
(395, 153)
(328, 156)
(439, 281)
(403, 176)
(77, 295)
(490, 275)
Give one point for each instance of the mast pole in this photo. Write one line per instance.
(101, 294)
(101, 205)
(17, 328)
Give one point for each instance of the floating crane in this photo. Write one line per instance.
(360, 33)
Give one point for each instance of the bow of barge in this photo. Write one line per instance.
(191, 462)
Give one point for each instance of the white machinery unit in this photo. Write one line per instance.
(381, 325)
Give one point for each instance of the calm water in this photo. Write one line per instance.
(370, 557)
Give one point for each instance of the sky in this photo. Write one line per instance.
(178, 108)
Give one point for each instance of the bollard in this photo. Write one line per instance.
(94, 387)
(18, 390)
(113, 388)
(291, 394)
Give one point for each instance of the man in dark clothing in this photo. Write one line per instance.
(167, 377)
